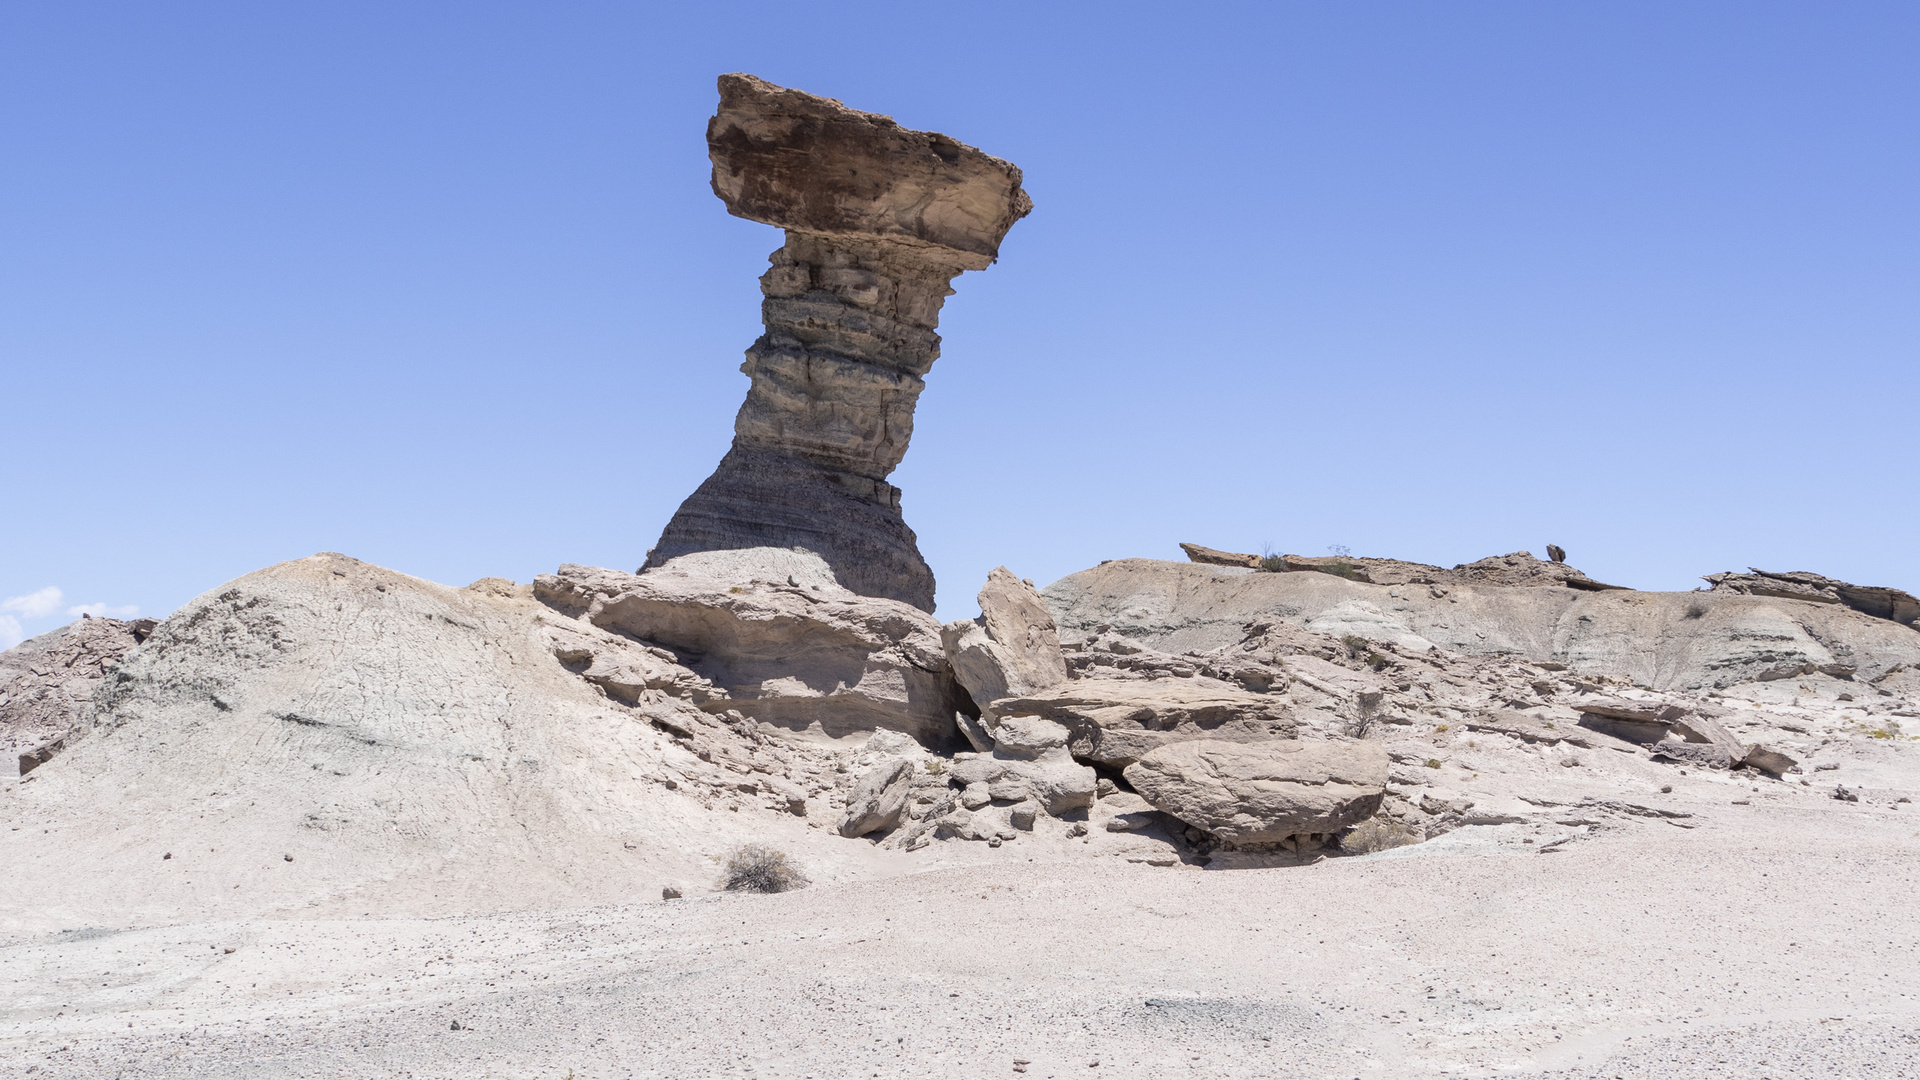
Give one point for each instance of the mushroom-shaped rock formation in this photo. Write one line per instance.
(879, 219)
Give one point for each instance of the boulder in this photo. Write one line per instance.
(1029, 760)
(1011, 650)
(1263, 792)
(1643, 722)
(878, 798)
(1115, 722)
(776, 638)
(45, 682)
(1768, 760)
(879, 220)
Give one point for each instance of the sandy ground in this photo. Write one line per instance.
(1774, 939)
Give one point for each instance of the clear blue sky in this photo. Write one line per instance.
(443, 286)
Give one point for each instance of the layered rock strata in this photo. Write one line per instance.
(879, 220)
(1878, 601)
(764, 632)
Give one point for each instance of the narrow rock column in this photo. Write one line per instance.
(879, 220)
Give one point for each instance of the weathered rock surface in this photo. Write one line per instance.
(776, 638)
(1216, 557)
(879, 220)
(1115, 722)
(1662, 640)
(1875, 600)
(1263, 792)
(878, 798)
(45, 682)
(1517, 570)
(1030, 760)
(1011, 650)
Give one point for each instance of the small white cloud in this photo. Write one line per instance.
(123, 611)
(34, 605)
(10, 632)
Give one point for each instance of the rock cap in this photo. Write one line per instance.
(789, 158)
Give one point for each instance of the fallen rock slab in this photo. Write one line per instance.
(1263, 792)
(878, 798)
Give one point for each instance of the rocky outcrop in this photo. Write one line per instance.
(1029, 760)
(1878, 601)
(385, 731)
(1115, 722)
(1011, 650)
(1263, 792)
(878, 798)
(45, 683)
(771, 634)
(1216, 557)
(1663, 640)
(1517, 570)
(879, 220)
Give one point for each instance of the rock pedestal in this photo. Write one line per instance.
(879, 220)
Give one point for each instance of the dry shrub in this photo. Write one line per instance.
(1379, 834)
(761, 868)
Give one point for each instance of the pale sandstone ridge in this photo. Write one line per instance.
(1664, 640)
(1876, 600)
(1518, 569)
(879, 220)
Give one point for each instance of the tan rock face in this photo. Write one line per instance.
(1012, 649)
(879, 220)
(1264, 792)
(1118, 721)
(769, 634)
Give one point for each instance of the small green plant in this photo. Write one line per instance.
(1441, 728)
(1376, 661)
(736, 589)
(936, 767)
(1433, 763)
(1344, 569)
(761, 868)
(1355, 644)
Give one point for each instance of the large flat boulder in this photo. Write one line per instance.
(1115, 722)
(1263, 792)
(774, 631)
